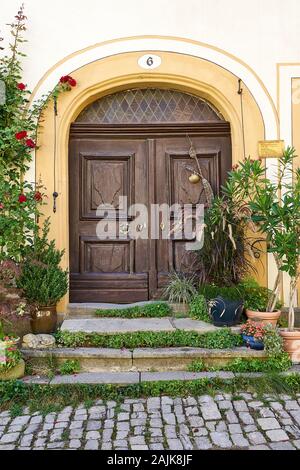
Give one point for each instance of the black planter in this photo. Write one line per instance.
(226, 312)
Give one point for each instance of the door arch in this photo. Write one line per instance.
(108, 73)
(133, 143)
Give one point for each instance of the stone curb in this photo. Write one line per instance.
(126, 378)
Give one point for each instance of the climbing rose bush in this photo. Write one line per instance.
(20, 200)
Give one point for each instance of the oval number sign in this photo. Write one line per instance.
(149, 61)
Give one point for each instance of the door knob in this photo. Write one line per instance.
(140, 227)
(124, 228)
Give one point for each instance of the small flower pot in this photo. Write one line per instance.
(225, 312)
(252, 343)
(264, 317)
(12, 342)
(291, 343)
(44, 320)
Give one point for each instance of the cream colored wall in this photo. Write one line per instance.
(260, 32)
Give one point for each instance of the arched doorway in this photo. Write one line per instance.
(135, 143)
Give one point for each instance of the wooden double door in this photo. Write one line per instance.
(141, 165)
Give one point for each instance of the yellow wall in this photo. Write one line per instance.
(105, 76)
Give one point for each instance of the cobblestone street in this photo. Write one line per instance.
(222, 422)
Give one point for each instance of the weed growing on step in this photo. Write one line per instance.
(70, 366)
(279, 363)
(156, 309)
(220, 339)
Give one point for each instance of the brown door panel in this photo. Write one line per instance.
(101, 171)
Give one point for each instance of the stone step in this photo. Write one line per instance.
(128, 378)
(87, 310)
(131, 325)
(139, 359)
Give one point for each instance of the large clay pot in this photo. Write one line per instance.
(44, 320)
(291, 343)
(264, 317)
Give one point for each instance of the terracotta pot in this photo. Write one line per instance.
(291, 343)
(264, 317)
(44, 320)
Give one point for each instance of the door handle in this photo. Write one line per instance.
(140, 227)
(124, 228)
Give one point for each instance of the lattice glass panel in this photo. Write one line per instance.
(149, 106)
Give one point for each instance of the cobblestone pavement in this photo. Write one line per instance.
(222, 422)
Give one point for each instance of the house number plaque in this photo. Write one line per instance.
(270, 148)
(149, 61)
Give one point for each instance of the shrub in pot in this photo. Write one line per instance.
(222, 259)
(43, 281)
(274, 208)
(253, 335)
(256, 300)
(225, 304)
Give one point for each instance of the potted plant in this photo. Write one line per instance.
(225, 304)
(256, 299)
(12, 365)
(275, 211)
(222, 259)
(180, 290)
(253, 334)
(225, 312)
(43, 281)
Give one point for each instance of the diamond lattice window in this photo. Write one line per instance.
(142, 106)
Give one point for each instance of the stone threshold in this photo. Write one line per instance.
(116, 325)
(127, 378)
(139, 359)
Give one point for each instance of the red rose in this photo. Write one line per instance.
(30, 143)
(64, 78)
(21, 135)
(1, 206)
(22, 198)
(72, 81)
(21, 86)
(38, 196)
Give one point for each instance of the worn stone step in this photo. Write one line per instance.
(127, 378)
(139, 359)
(131, 325)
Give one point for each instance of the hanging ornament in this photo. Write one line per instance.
(194, 178)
